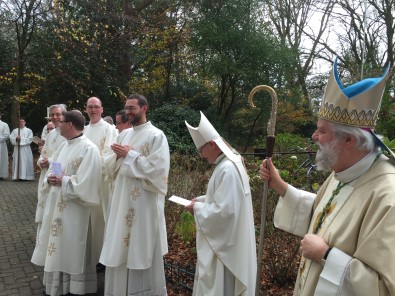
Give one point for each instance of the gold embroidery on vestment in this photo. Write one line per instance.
(51, 249)
(129, 218)
(75, 165)
(101, 143)
(41, 205)
(62, 205)
(126, 240)
(145, 149)
(135, 193)
(57, 227)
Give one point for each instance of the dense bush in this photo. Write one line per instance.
(171, 118)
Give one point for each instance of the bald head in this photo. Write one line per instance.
(94, 109)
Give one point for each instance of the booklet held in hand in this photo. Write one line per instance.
(179, 200)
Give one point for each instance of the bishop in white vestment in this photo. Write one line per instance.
(225, 234)
(348, 227)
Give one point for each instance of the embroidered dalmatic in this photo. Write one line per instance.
(102, 134)
(4, 136)
(359, 228)
(225, 234)
(54, 140)
(25, 161)
(64, 240)
(136, 222)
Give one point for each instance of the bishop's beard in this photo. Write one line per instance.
(326, 156)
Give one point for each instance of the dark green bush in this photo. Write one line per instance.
(170, 118)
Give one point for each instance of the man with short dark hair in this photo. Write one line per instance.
(135, 238)
(348, 227)
(122, 121)
(64, 244)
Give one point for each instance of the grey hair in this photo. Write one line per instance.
(61, 106)
(364, 139)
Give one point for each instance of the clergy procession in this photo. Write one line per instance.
(102, 190)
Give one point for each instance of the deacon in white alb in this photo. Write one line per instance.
(54, 140)
(135, 238)
(102, 134)
(64, 245)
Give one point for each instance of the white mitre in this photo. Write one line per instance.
(205, 132)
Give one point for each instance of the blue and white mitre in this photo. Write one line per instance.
(355, 105)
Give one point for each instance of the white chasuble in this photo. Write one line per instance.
(360, 230)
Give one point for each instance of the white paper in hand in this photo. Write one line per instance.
(35, 140)
(179, 200)
(56, 168)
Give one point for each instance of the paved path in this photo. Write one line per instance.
(18, 276)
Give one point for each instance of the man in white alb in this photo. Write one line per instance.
(66, 232)
(4, 136)
(102, 134)
(135, 238)
(22, 158)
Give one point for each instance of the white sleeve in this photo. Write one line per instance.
(334, 274)
(293, 211)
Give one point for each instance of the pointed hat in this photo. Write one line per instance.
(205, 132)
(355, 105)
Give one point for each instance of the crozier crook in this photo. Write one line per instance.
(269, 152)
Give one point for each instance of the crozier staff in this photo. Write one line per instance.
(270, 139)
